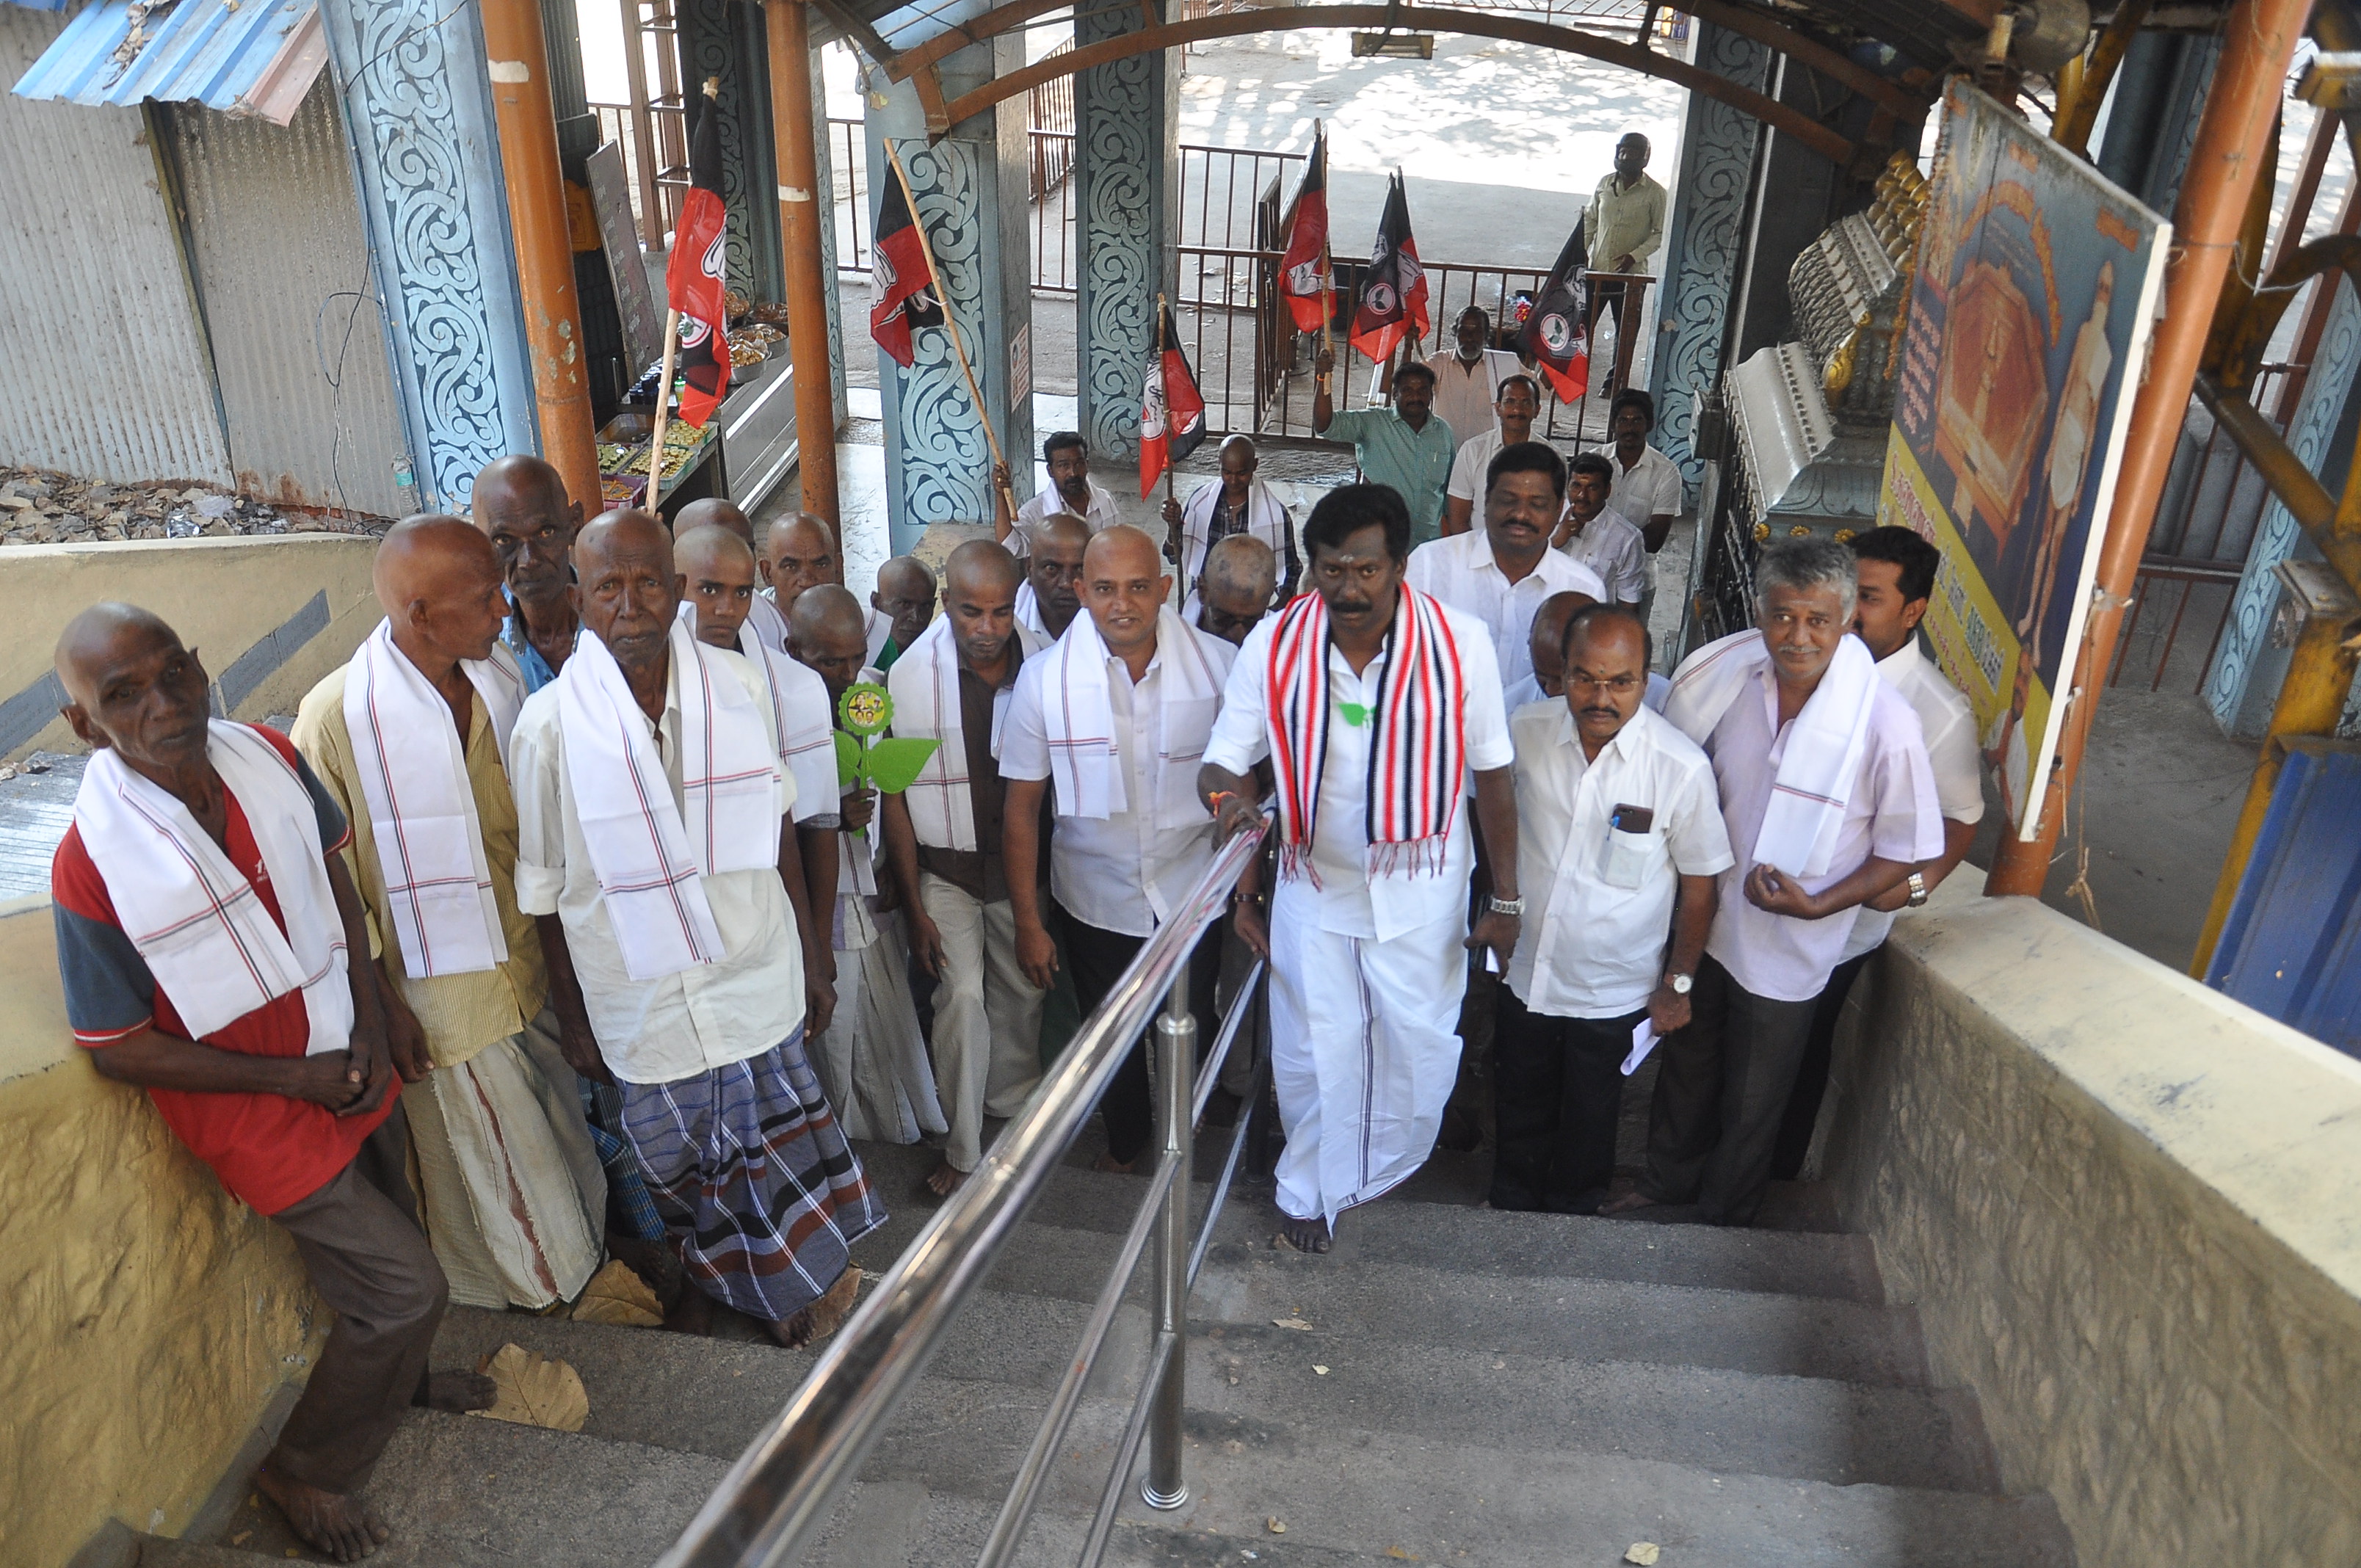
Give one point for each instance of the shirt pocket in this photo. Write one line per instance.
(1629, 858)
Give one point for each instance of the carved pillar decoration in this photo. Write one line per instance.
(1703, 242)
(970, 196)
(417, 105)
(730, 41)
(2243, 682)
(1127, 151)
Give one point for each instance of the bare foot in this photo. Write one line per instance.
(1115, 1167)
(947, 1179)
(458, 1392)
(793, 1332)
(693, 1314)
(823, 1317)
(1630, 1202)
(1304, 1235)
(344, 1527)
(654, 1262)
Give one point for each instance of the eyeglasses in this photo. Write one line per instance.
(1620, 686)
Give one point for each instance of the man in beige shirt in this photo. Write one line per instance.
(1623, 228)
(514, 1196)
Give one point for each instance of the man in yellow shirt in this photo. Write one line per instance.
(1623, 226)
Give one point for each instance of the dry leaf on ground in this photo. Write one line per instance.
(1275, 1526)
(1643, 1552)
(617, 1294)
(534, 1391)
(1292, 1324)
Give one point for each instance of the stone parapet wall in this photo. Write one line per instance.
(2128, 1210)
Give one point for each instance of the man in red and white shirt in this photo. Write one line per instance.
(204, 927)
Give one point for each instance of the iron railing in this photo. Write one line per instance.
(775, 1499)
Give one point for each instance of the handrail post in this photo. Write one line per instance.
(1166, 1487)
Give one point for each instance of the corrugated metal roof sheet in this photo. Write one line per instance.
(242, 56)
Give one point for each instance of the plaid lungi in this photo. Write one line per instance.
(749, 1168)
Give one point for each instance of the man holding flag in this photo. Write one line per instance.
(1404, 447)
(1393, 290)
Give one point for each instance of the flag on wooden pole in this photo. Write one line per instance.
(1303, 272)
(1392, 303)
(901, 281)
(1171, 409)
(1556, 334)
(693, 274)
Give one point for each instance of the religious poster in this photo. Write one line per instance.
(2033, 292)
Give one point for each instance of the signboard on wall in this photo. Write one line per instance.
(610, 198)
(2032, 299)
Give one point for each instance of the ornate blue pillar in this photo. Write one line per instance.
(1706, 235)
(1126, 154)
(418, 109)
(970, 193)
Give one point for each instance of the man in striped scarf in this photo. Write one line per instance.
(1373, 702)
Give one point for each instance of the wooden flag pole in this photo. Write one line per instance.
(951, 322)
(664, 409)
(1156, 368)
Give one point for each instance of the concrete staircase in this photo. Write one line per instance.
(1474, 1387)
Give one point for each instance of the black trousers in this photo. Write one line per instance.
(1803, 1111)
(1098, 958)
(1721, 1089)
(1558, 1093)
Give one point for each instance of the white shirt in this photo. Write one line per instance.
(1464, 394)
(1460, 572)
(706, 1016)
(1598, 902)
(1529, 690)
(1348, 901)
(1100, 514)
(1650, 487)
(1612, 546)
(1892, 813)
(1950, 725)
(1121, 872)
(1467, 469)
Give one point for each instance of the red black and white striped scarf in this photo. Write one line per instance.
(1418, 746)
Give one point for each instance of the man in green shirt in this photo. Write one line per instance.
(1405, 447)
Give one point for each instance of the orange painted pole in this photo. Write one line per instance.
(801, 213)
(2231, 134)
(519, 57)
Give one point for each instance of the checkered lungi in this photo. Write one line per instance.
(750, 1172)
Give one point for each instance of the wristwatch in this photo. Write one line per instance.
(1681, 984)
(1918, 894)
(1506, 905)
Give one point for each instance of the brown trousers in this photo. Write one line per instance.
(360, 1243)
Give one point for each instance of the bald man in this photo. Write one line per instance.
(409, 739)
(1117, 714)
(1047, 603)
(205, 924)
(800, 550)
(944, 838)
(684, 961)
(1235, 591)
(1239, 505)
(521, 504)
(899, 609)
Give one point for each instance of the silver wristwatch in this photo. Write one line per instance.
(1506, 907)
(1917, 885)
(1681, 984)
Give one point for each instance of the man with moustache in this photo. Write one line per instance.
(1594, 533)
(1512, 421)
(799, 550)
(1070, 492)
(1051, 592)
(1405, 447)
(521, 504)
(1618, 829)
(1501, 572)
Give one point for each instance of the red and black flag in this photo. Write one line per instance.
(693, 277)
(1393, 290)
(1304, 265)
(1557, 334)
(1171, 409)
(902, 287)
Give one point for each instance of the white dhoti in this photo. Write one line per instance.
(515, 1197)
(1363, 1051)
(873, 1059)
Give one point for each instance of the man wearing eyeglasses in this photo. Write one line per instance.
(1619, 839)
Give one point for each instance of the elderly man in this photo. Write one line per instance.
(410, 740)
(1235, 590)
(205, 924)
(1070, 492)
(684, 961)
(1050, 595)
(1546, 648)
(1467, 384)
(1513, 411)
(1502, 574)
(1829, 802)
(1117, 714)
(1623, 224)
(1405, 447)
(944, 838)
(1236, 506)
(1896, 574)
(799, 550)
(1594, 533)
(871, 1057)
(521, 504)
(1620, 836)
(899, 611)
(1372, 701)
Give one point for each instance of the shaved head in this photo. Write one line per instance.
(521, 504)
(1119, 547)
(800, 552)
(713, 511)
(982, 564)
(99, 633)
(1125, 585)
(1234, 590)
(714, 571)
(1055, 568)
(980, 584)
(709, 544)
(1062, 528)
(1546, 642)
(132, 687)
(438, 580)
(904, 595)
(629, 590)
(825, 633)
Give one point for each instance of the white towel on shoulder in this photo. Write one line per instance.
(925, 685)
(799, 711)
(1078, 714)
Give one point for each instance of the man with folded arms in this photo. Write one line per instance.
(1829, 802)
(944, 838)
(411, 739)
(1116, 715)
(204, 932)
(1373, 702)
(1620, 837)
(674, 915)
(1500, 573)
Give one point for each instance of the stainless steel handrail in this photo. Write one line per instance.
(777, 1495)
